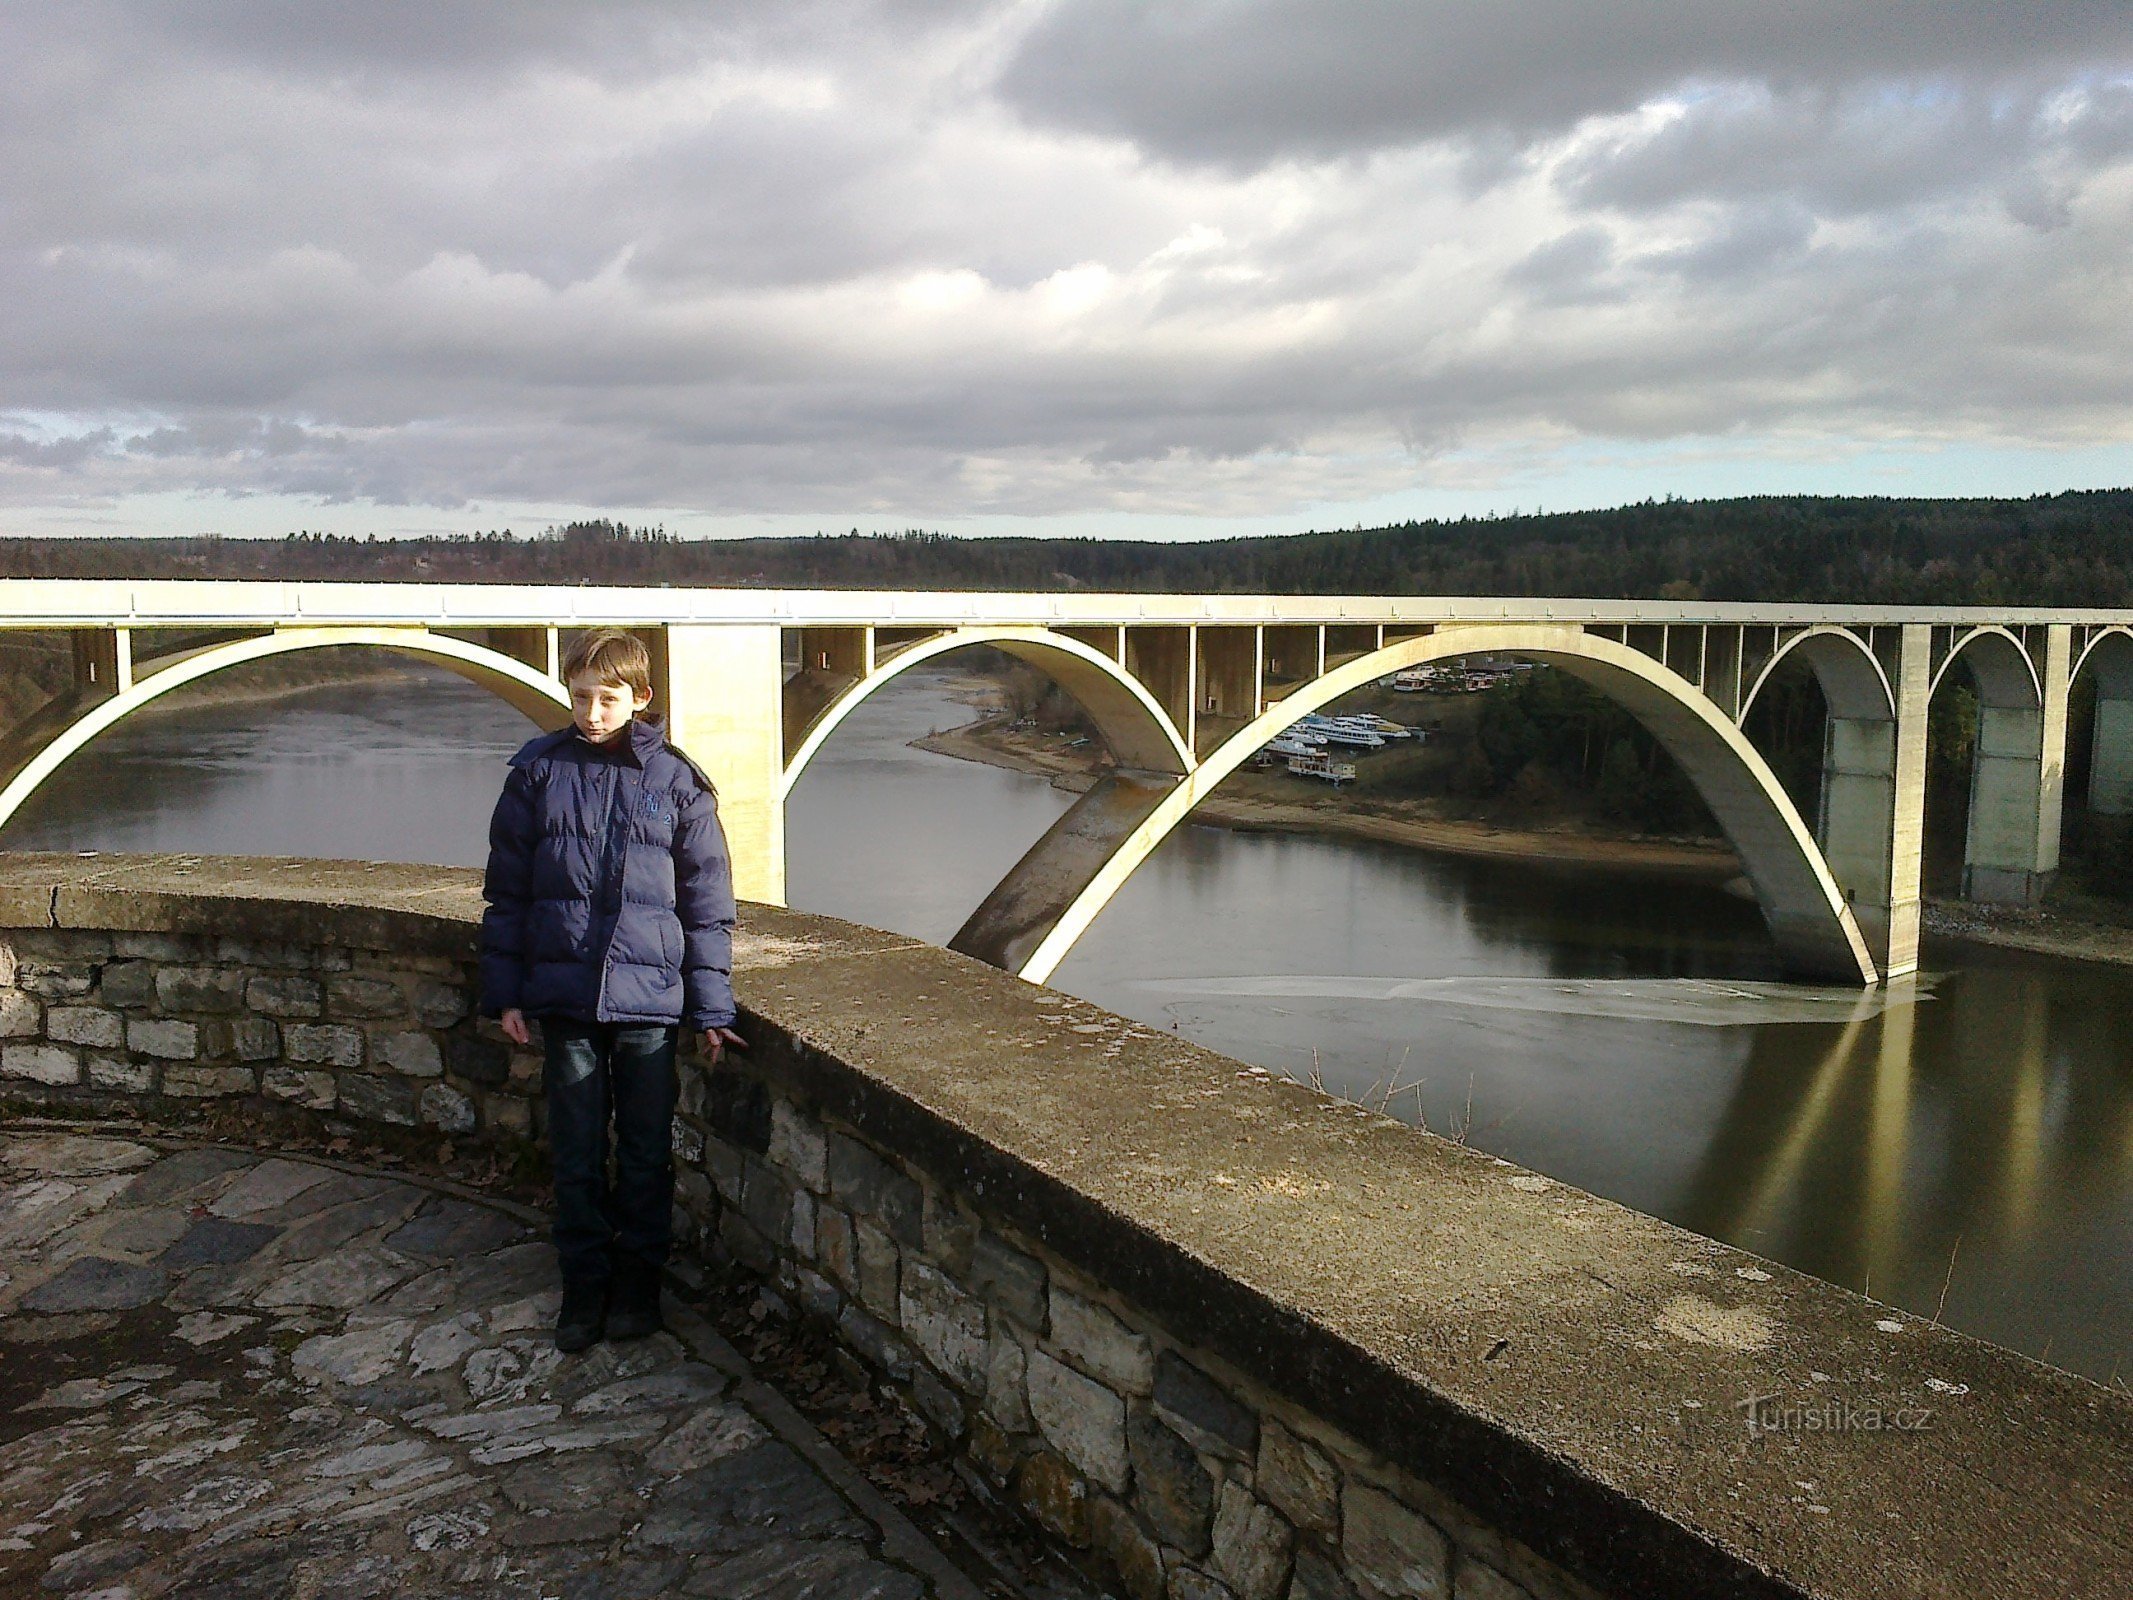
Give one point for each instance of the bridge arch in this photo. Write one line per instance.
(1140, 733)
(2001, 667)
(1802, 903)
(540, 697)
(1854, 683)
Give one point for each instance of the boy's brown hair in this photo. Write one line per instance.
(612, 656)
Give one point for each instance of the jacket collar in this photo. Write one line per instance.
(644, 739)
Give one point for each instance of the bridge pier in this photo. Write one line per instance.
(725, 707)
(2012, 850)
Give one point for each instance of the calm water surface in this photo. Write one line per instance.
(1970, 1135)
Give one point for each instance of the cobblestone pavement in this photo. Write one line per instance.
(227, 1373)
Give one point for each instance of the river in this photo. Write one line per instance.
(1961, 1146)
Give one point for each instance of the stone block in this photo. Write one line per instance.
(21, 1017)
(1136, 1558)
(723, 1166)
(159, 946)
(1171, 1487)
(8, 962)
(766, 1200)
(875, 1342)
(1009, 1279)
(1190, 1583)
(240, 1039)
(1316, 1578)
(512, 1114)
(1471, 1580)
(1052, 1492)
(40, 1063)
(1203, 1411)
(865, 1183)
(413, 1053)
(163, 1038)
(206, 1083)
(357, 995)
(315, 1091)
(437, 1004)
(738, 1108)
(523, 1067)
(1082, 1420)
(818, 1296)
(482, 1061)
(214, 991)
(686, 1143)
(1391, 1552)
(947, 1325)
(130, 984)
(799, 1145)
(1101, 1345)
(122, 1073)
(992, 1452)
(938, 1404)
(1006, 1396)
(69, 982)
(802, 1225)
(88, 1025)
(329, 1044)
(378, 1099)
(282, 994)
(746, 1242)
(835, 1249)
(951, 1234)
(1297, 1480)
(445, 1108)
(1252, 1545)
(878, 1263)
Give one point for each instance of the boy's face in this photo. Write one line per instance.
(602, 710)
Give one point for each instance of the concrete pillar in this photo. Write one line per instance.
(1226, 682)
(1913, 684)
(2111, 755)
(724, 707)
(1163, 659)
(103, 661)
(2012, 849)
(1858, 805)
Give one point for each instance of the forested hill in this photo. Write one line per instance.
(2067, 549)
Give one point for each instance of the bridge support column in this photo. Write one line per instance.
(1859, 806)
(725, 697)
(2111, 756)
(1913, 685)
(2012, 851)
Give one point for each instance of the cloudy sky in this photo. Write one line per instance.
(1018, 266)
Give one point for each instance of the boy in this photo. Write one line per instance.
(610, 920)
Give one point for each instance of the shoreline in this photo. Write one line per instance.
(989, 741)
(2061, 933)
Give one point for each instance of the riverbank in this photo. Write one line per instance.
(1258, 802)
(2073, 927)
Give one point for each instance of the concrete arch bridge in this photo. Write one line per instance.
(1186, 688)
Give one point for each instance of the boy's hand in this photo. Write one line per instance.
(712, 1043)
(514, 1026)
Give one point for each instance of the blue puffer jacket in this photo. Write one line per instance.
(610, 896)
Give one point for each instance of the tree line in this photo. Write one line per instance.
(2064, 549)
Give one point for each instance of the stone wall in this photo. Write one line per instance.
(1232, 1339)
(1189, 1478)
(379, 1036)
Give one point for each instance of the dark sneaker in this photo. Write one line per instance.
(633, 1301)
(579, 1325)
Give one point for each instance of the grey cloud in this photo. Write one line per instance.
(1252, 81)
(749, 260)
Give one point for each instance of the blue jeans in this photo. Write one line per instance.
(595, 1070)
